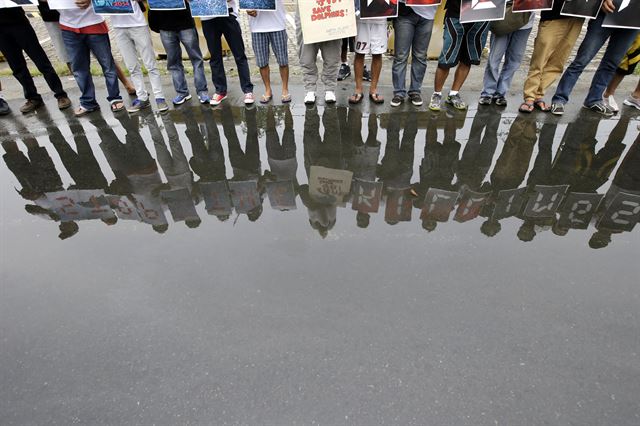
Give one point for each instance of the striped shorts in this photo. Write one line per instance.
(462, 42)
(278, 42)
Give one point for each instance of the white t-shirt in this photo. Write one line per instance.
(426, 12)
(268, 21)
(128, 21)
(529, 24)
(79, 18)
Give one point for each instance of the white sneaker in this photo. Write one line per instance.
(632, 102)
(611, 103)
(249, 99)
(330, 97)
(310, 98)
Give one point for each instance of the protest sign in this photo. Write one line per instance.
(626, 15)
(375, 9)
(329, 185)
(423, 2)
(166, 4)
(482, 10)
(622, 214)
(581, 8)
(112, 7)
(532, 5)
(470, 205)
(577, 209)
(324, 20)
(62, 4)
(258, 5)
(217, 199)
(17, 3)
(244, 195)
(508, 203)
(399, 206)
(209, 8)
(545, 200)
(366, 196)
(438, 204)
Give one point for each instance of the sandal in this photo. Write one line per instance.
(356, 98)
(266, 99)
(117, 106)
(376, 99)
(80, 111)
(526, 106)
(539, 104)
(286, 99)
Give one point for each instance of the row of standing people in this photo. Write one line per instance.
(81, 32)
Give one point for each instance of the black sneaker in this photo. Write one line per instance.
(415, 99)
(366, 74)
(344, 72)
(485, 100)
(4, 107)
(397, 101)
(557, 109)
(601, 109)
(500, 101)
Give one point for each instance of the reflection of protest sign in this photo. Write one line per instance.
(531, 5)
(545, 200)
(166, 4)
(64, 205)
(438, 204)
(217, 199)
(372, 9)
(622, 214)
(324, 20)
(244, 195)
(208, 8)
(581, 8)
(282, 195)
(399, 206)
(62, 4)
(124, 207)
(17, 3)
(482, 10)
(112, 7)
(180, 204)
(366, 196)
(258, 4)
(470, 205)
(150, 209)
(329, 185)
(508, 203)
(423, 2)
(577, 210)
(626, 15)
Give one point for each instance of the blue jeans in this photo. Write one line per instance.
(619, 42)
(412, 34)
(510, 47)
(80, 47)
(189, 38)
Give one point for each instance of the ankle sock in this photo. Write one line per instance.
(453, 92)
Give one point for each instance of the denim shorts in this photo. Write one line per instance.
(278, 42)
(462, 42)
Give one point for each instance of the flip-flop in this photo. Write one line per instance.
(376, 99)
(526, 107)
(286, 99)
(356, 98)
(540, 105)
(117, 106)
(266, 99)
(80, 111)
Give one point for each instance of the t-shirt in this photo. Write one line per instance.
(47, 14)
(128, 21)
(13, 16)
(452, 8)
(425, 12)
(79, 18)
(171, 20)
(269, 21)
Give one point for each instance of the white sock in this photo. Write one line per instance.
(437, 93)
(345, 63)
(453, 92)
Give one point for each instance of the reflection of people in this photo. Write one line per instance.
(626, 67)
(478, 152)
(281, 157)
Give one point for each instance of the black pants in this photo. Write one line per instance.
(14, 39)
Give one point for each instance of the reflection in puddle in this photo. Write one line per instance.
(161, 170)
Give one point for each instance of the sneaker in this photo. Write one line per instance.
(612, 104)
(249, 99)
(632, 102)
(63, 103)
(217, 99)
(415, 99)
(204, 98)
(137, 105)
(556, 109)
(180, 99)
(500, 100)
(329, 97)
(397, 101)
(4, 107)
(162, 105)
(31, 105)
(366, 74)
(601, 109)
(310, 98)
(485, 100)
(456, 101)
(435, 104)
(344, 72)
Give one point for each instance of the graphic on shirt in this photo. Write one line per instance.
(531, 5)
(17, 3)
(371, 9)
(482, 10)
(258, 4)
(625, 16)
(167, 4)
(112, 7)
(324, 20)
(581, 8)
(423, 2)
(209, 8)
(61, 4)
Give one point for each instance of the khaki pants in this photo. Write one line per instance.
(552, 47)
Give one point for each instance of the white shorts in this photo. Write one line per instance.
(372, 37)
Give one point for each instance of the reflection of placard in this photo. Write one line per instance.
(150, 209)
(282, 195)
(209, 8)
(508, 203)
(324, 20)
(62, 4)
(167, 4)
(531, 5)
(244, 195)
(482, 10)
(258, 5)
(626, 15)
(217, 199)
(64, 205)
(470, 205)
(438, 204)
(622, 214)
(180, 204)
(581, 8)
(399, 206)
(423, 2)
(124, 207)
(372, 9)
(94, 204)
(545, 200)
(578, 209)
(329, 185)
(112, 7)
(366, 196)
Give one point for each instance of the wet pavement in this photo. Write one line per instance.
(292, 265)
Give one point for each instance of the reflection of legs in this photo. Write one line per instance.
(252, 149)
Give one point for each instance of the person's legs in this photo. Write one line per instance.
(212, 33)
(403, 28)
(144, 46)
(376, 68)
(330, 51)
(513, 57)
(474, 39)
(80, 55)
(279, 45)
(498, 46)
(460, 76)
(126, 44)
(419, 44)
(307, 54)
(613, 84)
(101, 48)
(189, 39)
(358, 68)
(260, 43)
(124, 80)
(563, 40)
(10, 48)
(233, 35)
(453, 39)
(171, 42)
